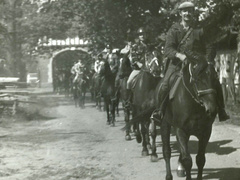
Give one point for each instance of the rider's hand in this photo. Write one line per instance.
(139, 64)
(181, 56)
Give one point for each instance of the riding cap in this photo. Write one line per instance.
(108, 47)
(186, 4)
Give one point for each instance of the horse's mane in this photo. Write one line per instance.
(107, 67)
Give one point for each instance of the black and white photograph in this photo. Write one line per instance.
(119, 89)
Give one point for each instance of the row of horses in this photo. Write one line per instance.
(191, 109)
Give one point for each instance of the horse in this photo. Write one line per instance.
(90, 83)
(96, 89)
(108, 91)
(123, 73)
(144, 102)
(191, 111)
(79, 90)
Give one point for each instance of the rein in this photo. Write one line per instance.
(154, 60)
(198, 92)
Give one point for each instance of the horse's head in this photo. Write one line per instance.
(203, 78)
(104, 68)
(153, 64)
(124, 64)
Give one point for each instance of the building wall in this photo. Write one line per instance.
(43, 68)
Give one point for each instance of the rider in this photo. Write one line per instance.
(77, 69)
(137, 58)
(113, 61)
(124, 54)
(96, 65)
(107, 52)
(195, 42)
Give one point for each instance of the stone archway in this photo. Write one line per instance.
(62, 61)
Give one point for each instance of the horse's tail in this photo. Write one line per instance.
(138, 118)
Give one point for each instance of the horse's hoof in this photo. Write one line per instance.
(145, 153)
(181, 173)
(154, 158)
(138, 138)
(127, 137)
(169, 177)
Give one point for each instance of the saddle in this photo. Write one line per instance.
(135, 80)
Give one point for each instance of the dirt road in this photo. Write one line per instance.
(77, 144)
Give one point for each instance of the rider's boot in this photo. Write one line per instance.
(129, 98)
(222, 115)
(158, 113)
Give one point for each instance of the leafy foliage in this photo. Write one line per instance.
(102, 22)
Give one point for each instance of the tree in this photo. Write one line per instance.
(99, 21)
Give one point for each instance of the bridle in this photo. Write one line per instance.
(149, 65)
(197, 93)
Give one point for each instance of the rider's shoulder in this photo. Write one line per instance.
(175, 26)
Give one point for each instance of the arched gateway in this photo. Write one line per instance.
(59, 65)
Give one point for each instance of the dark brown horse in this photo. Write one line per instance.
(96, 89)
(123, 73)
(191, 111)
(143, 98)
(108, 91)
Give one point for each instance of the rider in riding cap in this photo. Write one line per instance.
(113, 61)
(107, 52)
(137, 58)
(96, 65)
(77, 69)
(186, 38)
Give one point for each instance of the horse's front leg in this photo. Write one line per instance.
(166, 149)
(145, 137)
(83, 99)
(127, 118)
(153, 133)
(200, 158)
(136, 129)
(113, 112)
(106, 107)
(185, 159)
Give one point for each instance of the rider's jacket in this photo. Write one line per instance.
(113, 62)
(96, 66)
(137, 55)
(194, 45)
(78, 68)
